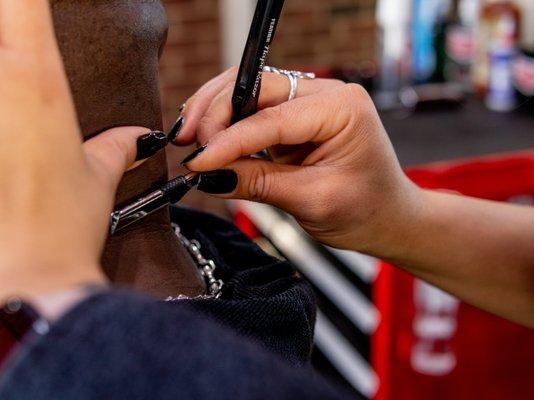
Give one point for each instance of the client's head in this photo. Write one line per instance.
(110, 50)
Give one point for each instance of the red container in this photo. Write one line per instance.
(430, 345)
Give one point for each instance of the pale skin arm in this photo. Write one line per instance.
(56, 193)
(336, 172)
(481, 251)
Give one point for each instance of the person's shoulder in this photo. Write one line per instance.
(264, 297)
(221, 239)
(120, 344)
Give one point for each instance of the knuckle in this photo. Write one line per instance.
(274, 113)
(356, 92)
(205, 122)
(238, 135)
(236, 132)
(325, 207)
(229, 88)
(274, 117)
(206, 126)
(233, 70)
(337, 82)
(361, 106)
(46, 79)
(52, 81)
(191, 100)
(330, 83)
(259, 184)
(122, 150)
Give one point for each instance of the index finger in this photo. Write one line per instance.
(26, 24)
(315, 118)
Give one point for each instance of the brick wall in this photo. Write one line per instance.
(192, 55)
(332, 33)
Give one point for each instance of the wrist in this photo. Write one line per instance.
(33, 284)
(54, 305)
(395, 232)
(23, 321)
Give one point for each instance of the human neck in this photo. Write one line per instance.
(150, 258)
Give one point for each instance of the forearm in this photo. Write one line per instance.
(480, 251)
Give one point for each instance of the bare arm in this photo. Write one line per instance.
(56, 193)
(481, 251)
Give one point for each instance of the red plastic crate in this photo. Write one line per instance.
(430, 345)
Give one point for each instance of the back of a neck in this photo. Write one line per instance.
(150, 258)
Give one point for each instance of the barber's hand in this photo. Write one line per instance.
(334, 167)
(56, 193)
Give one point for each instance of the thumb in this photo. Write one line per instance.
(284, 186)
(114, 152)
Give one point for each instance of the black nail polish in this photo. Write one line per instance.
(149, 144)
(175, 130)
(218, 182)
(194, 154)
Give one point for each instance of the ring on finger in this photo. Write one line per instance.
(293, 77)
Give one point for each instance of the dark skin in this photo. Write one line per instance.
(111, 51)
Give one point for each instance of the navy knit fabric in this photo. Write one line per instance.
(264, 299)
(124, 346)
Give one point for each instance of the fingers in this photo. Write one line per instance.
(26, 24)
(275, 90)
(284, 186)
(197, 105)
(217, 117)
(210, 109)
(313, 119)
(114, 152)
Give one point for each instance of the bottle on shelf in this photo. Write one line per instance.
(496, 37)
(460, 44)
(524, 64)
(393, 20)
(504, 20)
(430, 18)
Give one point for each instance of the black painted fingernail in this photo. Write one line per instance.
(218, 182)
(194, 154)
(149, 144)
(175, 130)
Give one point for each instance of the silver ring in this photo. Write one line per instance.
(293, 77)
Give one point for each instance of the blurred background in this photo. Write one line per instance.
(453, 81)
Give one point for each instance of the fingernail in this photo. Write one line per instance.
(218, 182)
(176, 129)
(149, 144)
(182, 107)
(194, 154)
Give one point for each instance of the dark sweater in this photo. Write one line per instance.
(264, 299)
(125, 346)
(122, 345)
